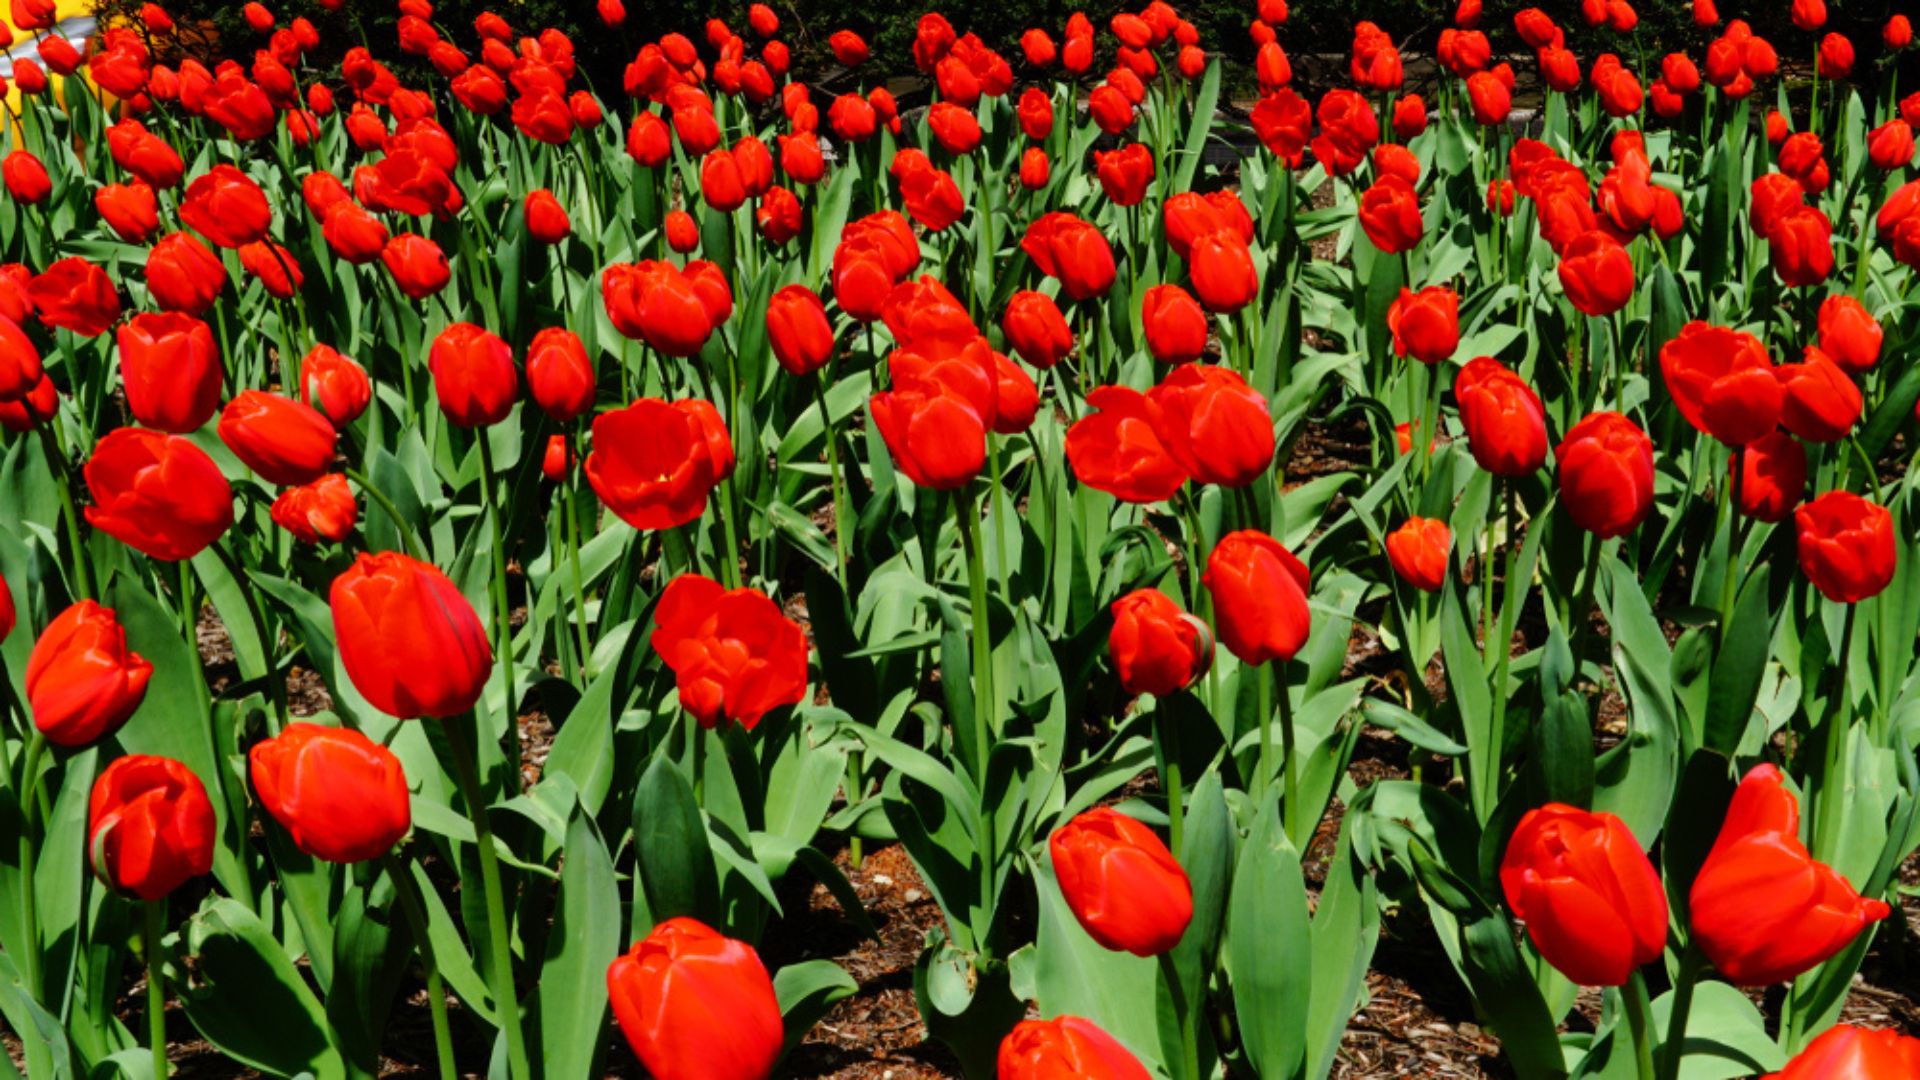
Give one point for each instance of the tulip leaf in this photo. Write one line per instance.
(675, 858)
(807, 991)
(571, 1007)
(1726, 1035)
(1738, 666)
(370, 951)
(1270, 948)
(248, 1000)
(1075, 975)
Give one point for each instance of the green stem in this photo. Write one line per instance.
(276, 687)
(1673, 1047)
(56, 459)
(1263, 718)
(505, 997)
(1640, 1020)
(410, 902)
(1189, 1039)
(983, 700)
(502, 612)
(1829, 806)
(841, 521)
(29, 854)
(1730, 580)
(156, 918)
(573, 561)
(1290, 810)
(1169, 729)
(400, 525)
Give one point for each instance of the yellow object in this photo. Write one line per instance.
(74, 21)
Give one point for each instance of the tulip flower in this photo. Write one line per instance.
(1259, 591)
(158, 494)
(322, 510)
(936, 418)
(150, 825)
(1505, 422)
(1592, 902)
(1723, 382)
(1606, 474)
(473, 375)
(1065, 1046)
(1072, 252)
(1597, 274)
(340, 795)
(1124, 173)
(1425, 324)
(73, 294)
(1762, 910)
(695, 1005)
(1220, 265)
(1118, 449)
(560, 378)
(1216, 426)
(654, 462)
(1846, 546)
(1846, 1052)
(557, 461)
(20, 368)
(546, 218)
(334, 385)
(1800, 247)
(1390, 215)
(1121, 882)
(1849, 334)
(279, 438)
(25, 177)
(1773, 476)
(1176, 327)
(226, 206)
(83, 682)
(409, 640)
(734, 656)
(183, 275)
(1036, 330)
(1156, 647)
(1822, 404)
(1418, 551)
(418, 266)
(658, 303)
(129, 209)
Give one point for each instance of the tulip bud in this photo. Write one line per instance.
(1259, 591)
(279, 438)
(473, 375)
(150, 826)
(1592, 902)
(321, 510)
(1065, 1046)
(695, 1005)
(1121, 882)
(1606, 474)
(1418, 552)
(1846, 546)
(83, 682)
(1156, 647)
(408, 639)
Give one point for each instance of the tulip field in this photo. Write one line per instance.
(497, 546)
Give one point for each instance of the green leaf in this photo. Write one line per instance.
(674, 857)
(1739, 665)
(807, 991)
(248, 1000)
(1726, 1035)
(571, 1007)
(1075, 975)
(1269, 947)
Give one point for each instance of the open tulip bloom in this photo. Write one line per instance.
(503, 498)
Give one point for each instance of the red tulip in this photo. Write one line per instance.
(73, 294)
(1762, 909)
(1073, 252)
(546, 218)
(129, 209)
(954, 128)
(20, 368)
(1065, 1047)
(1283, 121)
(1156, 647)
(1597, 274)
(1591, 900)
(1121, 882)
(1723, 382)
(560, 378)
(1425, 324)
(226, 206)
(654, 462)
(321, 510)
(279, 438)
(418, 266)
(157, 493)
(1822, 404)
(1176, 327)
(1849, 334)
(1348, 130)
(1606, 474)
(340, 795)
(1118, 449)
(936, 417)
(1390, 215)
(473, 375)
(1124, 173)
(1846, 546)
(1503, 417)
(1220, 265)
(1773, 476)
(28, 412)
(656, 302)
(1418, 551)
(798, 329)
(1036, 330)
(1845, 1052)
(25, 177)
(1800, 246)
(335, 385)
(1259, 591)
(1215, 425)
(409, 640)
(183, 275)
(150, 826)
(695, 1005)
(734, 655)
(171, 371)
(1890, 146)
(83, 682)
(273, 267)
(848, 48)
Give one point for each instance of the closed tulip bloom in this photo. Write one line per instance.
(170, 369)
(1066, 1046)
(659, 304)
(1117, 448)
(1156, 647)
(1425, 324)
(1800, 246)
(335, 385)
(20, 368)
(150, 825)
(1259, 591)
(1015, 397)
(73, 294)
(683, 233)
(83, 682)
(1491, 99)
(184, 275)
(26, 178)
(1418, 552)
(1073, 252)
(799, 331)
(695, 1005)
(418, 266)
(226, 206)
(1773, 477)
(1035, 169)
(130, 210)
(1121, 882)
(1392, 159)
(158, 494)
(1836, 56)
(1846, 546)
(1845, 1052)
(1220, 266)
(954, 128)
(409, 640)
(1591, 900)
(1124, 173)
(1606, 474)
(1597, 274)
(734, 656)
(560, 378)
(1504, 419)
(1849, 334)
(1890, 146)
(1175, 326)
(1762, 910)
(273, 267)
(848, 48)
(1723, 382)
(1036, 330)
(30, 411)
(546, 218)
(1409, 117)
(1822, 404)
(936, 418)
(1390, 215)
(473, 375)
(341, 796)
(279, 438)
(322, 510)
(654, 462)
(1214, 424)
